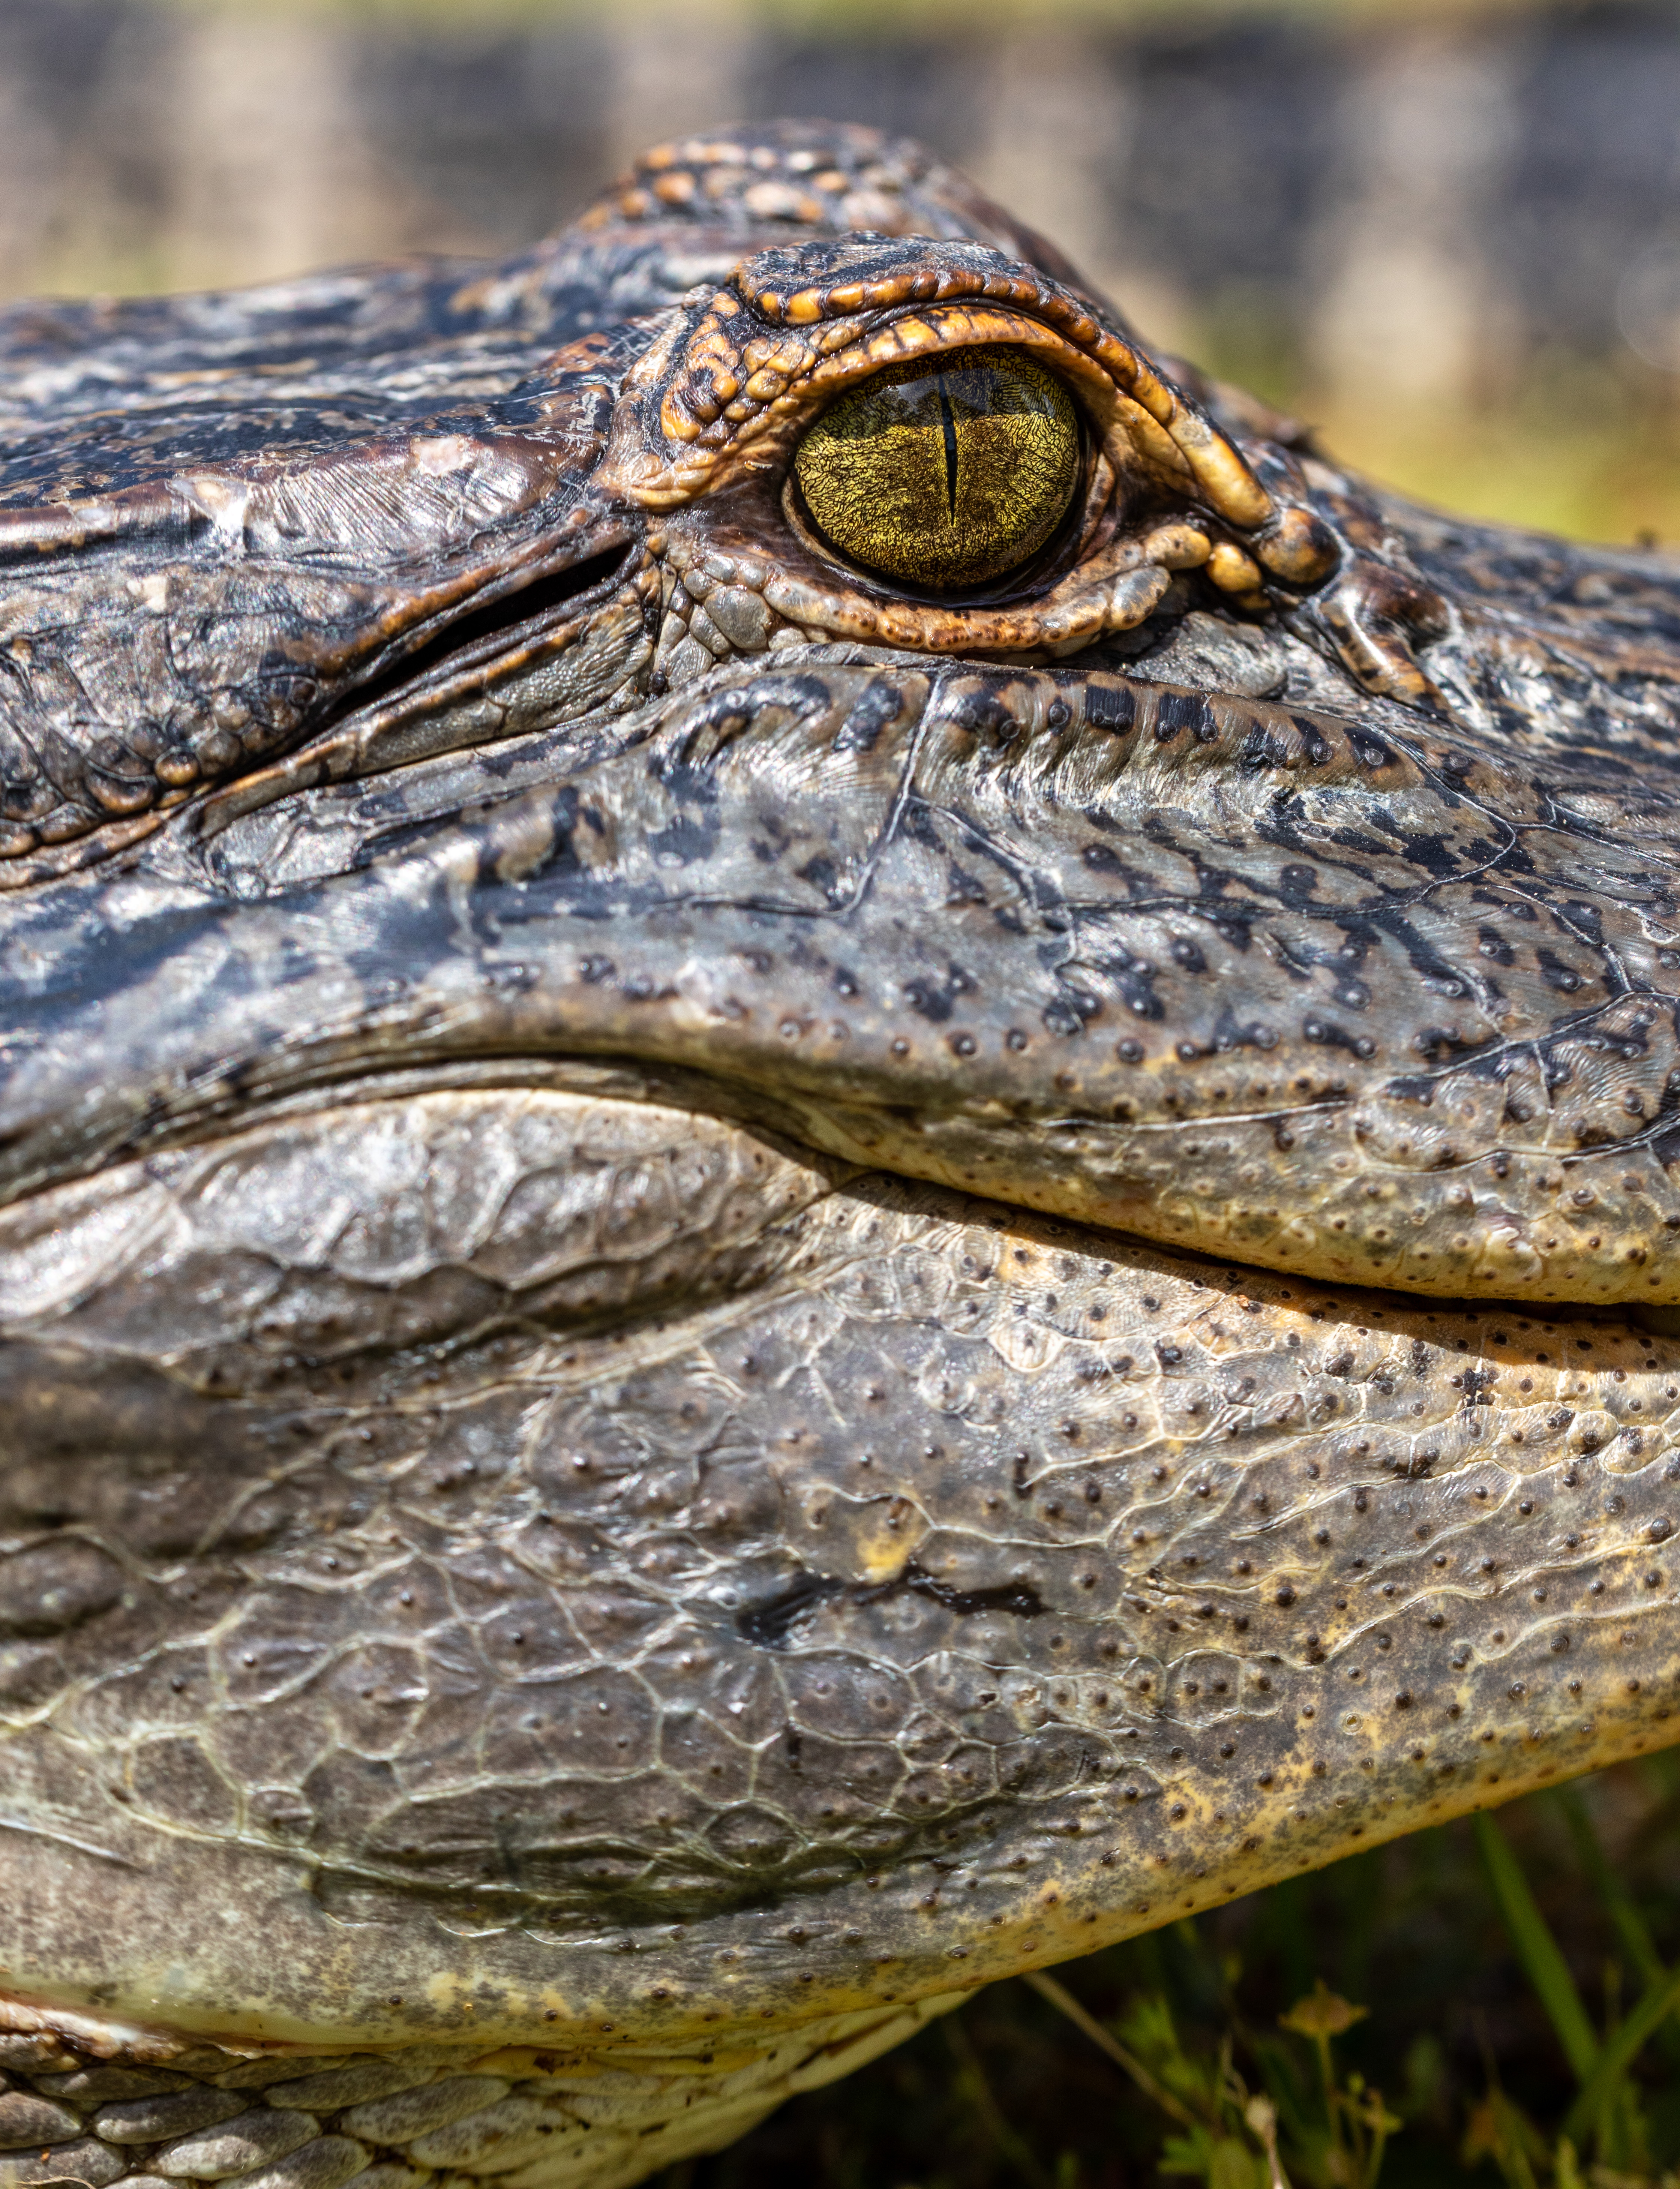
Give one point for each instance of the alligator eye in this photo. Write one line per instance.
(944, 475)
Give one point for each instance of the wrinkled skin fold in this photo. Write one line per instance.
(729, 1299)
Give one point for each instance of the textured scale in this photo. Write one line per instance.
(728, 1300)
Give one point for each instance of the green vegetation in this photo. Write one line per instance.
(1587, 446)
(1594, 454)
(1496, 2002)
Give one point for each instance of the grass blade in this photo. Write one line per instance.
(1065, 2003)
(1618, 1903)
(1537, 1949)
(1617, 2055)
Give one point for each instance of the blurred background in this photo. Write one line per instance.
(1451, 233)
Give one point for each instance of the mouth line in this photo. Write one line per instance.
(609, 1076)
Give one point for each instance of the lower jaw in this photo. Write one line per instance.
(1203, 1577)
(569, 2115)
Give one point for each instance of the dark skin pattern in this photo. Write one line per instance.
(727, 1301)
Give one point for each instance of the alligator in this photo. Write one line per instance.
(837, 1147)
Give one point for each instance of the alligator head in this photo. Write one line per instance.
(838, 1145)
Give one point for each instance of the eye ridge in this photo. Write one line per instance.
(943, 476)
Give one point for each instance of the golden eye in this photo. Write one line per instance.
(946, 473)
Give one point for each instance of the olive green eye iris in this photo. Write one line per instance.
(946, 473)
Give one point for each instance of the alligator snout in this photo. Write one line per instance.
(837, 1145)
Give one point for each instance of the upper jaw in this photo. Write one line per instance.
(1212, 970)
(1161, 951)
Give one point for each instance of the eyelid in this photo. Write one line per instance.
(725, 393)
(947, 331)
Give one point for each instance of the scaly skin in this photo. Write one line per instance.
(727, 1302)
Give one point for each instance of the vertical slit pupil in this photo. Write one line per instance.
(866, 472)
(949, 422)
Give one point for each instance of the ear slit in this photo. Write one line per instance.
(474, 634)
